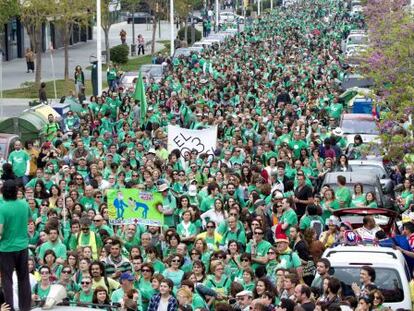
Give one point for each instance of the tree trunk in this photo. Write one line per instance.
(154, 31)
(133, 46)
(38, 48)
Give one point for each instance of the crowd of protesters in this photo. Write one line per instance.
(245, 228)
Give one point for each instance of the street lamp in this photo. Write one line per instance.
(172, 27)
(99, 46)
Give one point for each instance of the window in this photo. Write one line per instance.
(387, 280)
(360, 127)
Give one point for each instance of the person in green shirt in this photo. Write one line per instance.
(54, 244)
(14, 242)
(218, 281)
(289, 217)
(311, 219)
(86, 292)
(258, 247)
(370, 200)
(20, 161)
(358, 198)
(342, 193)
(198, 302)
(41, 289)
(127, 283)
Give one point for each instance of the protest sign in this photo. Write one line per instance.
(185, 140)
(132, 206)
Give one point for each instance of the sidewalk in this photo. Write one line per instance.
(14, 71)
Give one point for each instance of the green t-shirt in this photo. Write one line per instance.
(14, 216)
(343, 194)
(18, 159)
(59, 248)
(289, 217)
(306, 220)
(261, 250)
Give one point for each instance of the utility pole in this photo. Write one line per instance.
(99, 45)
(172, 27)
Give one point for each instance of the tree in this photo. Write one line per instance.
(158, 7)
(108, 17)
(33, 14)
(183, 8)
(70, 13)
(389, 62)
(9, 9)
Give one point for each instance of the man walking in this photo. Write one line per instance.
(14, 242)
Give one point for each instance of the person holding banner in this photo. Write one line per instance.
(169, 205)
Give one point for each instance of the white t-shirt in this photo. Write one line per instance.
(163, 305)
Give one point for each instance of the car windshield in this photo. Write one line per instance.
(367, 188)
(359, 127)
(357, 40)
(387, 280)
(380, 220)
(156, 71)
(374, 169)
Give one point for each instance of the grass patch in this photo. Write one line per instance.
(135, 62)
(28, 89)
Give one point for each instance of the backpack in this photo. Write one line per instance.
(316, 225)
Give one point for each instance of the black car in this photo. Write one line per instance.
(196, 19)
(140, 18)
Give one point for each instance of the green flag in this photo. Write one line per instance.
(140, 95)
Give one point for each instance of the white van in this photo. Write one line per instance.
(392, 274)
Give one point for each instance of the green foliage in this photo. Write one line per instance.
(181, 34)
(390, 63)
(9, 8)
(119, 54)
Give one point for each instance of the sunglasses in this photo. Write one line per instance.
(85, 229)
(258, 233)
(271, 253)
(146, 270)
(194, 254)
(175, 260)
(85, 283)
(245, 260)
(210, 227)
(66, 271)
(96, 220)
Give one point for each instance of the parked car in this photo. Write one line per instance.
(357, 10)
(196, 19)
(356, 80)
(230, 17)
(7, 144)
(128, 80)
(359, 123)
(152, 71)
(384, 217)
(392, 273)
(377, 167)
(187, 51)
(140, 18)
(369, 181)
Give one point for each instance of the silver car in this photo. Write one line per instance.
(153, 71)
